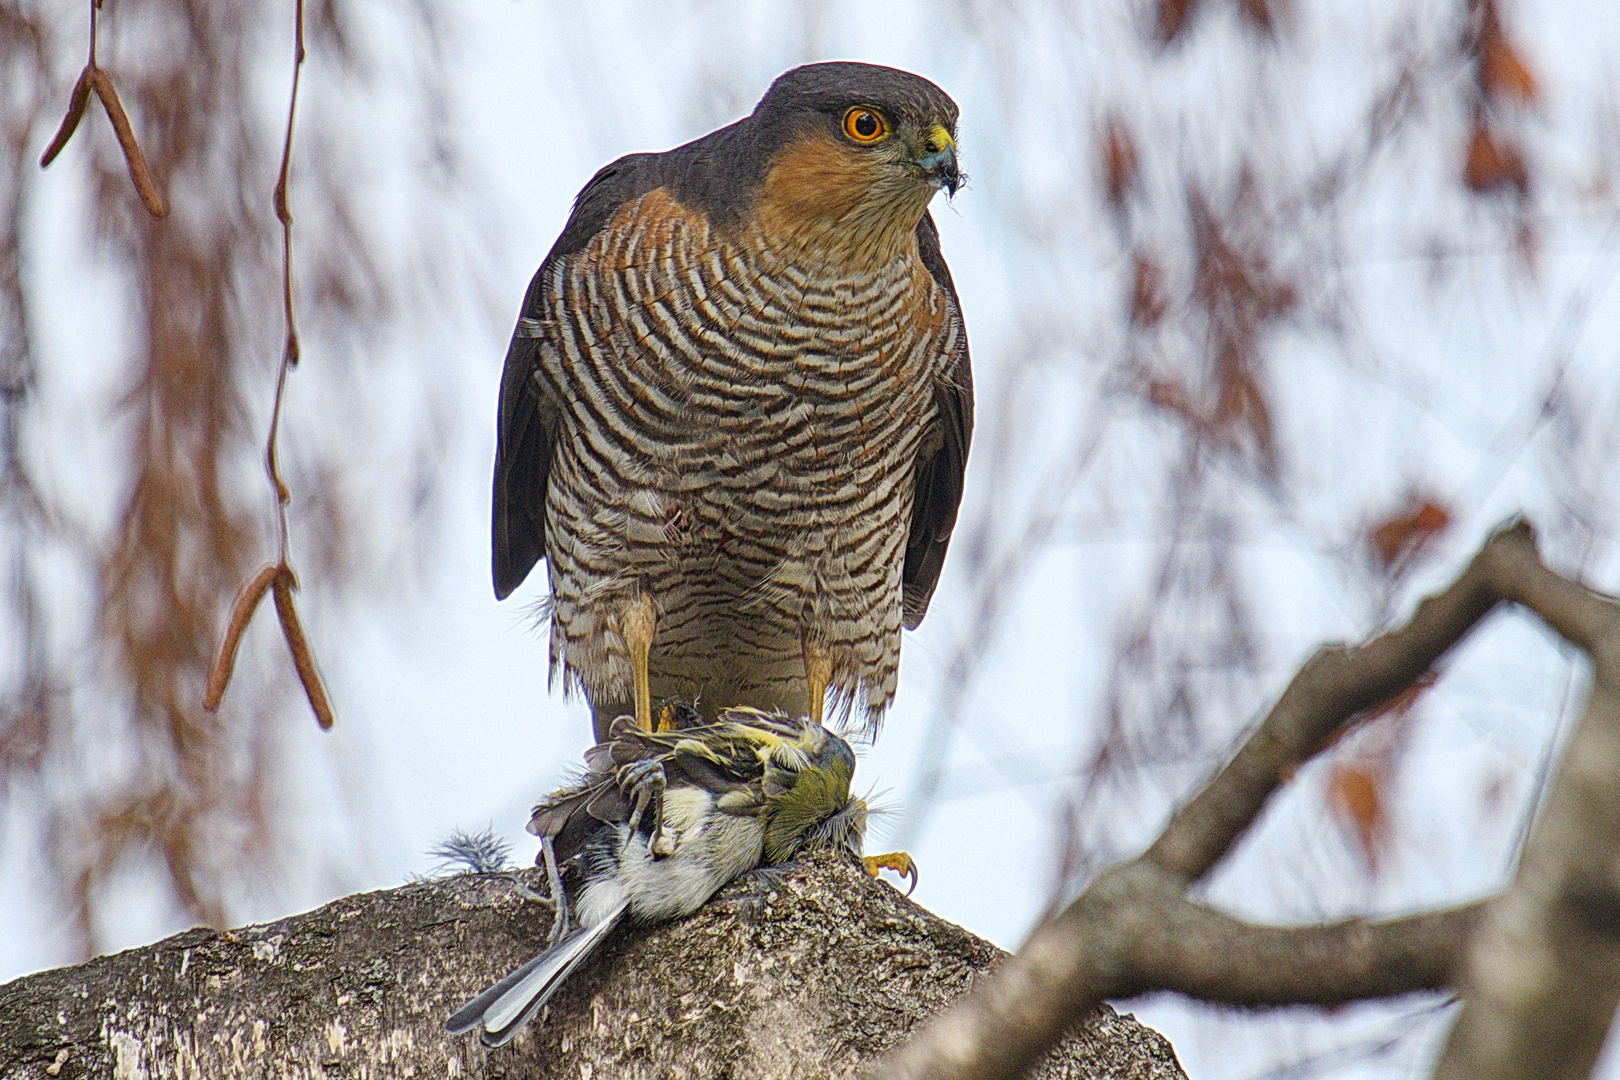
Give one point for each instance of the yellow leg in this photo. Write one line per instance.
(639, 622)
(898, 861)
(817, 674)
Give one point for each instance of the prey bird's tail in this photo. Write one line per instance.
(504, 1008)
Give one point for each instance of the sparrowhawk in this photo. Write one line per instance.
(735, 411)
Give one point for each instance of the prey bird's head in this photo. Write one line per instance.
(808, 804)
(858, 153)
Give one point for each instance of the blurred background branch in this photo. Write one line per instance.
(103, 723)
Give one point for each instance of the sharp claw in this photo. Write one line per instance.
(898, 861)
(644, 782)
(662, 844)
(638, 808)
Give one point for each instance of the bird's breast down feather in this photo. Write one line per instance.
(669, 319)
(711, 849)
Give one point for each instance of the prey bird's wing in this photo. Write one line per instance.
(727, 759)
(570, 816)
(743, 759)
(938, 485)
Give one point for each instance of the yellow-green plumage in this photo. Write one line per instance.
(661, 820)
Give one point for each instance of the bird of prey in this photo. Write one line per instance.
(735, 411)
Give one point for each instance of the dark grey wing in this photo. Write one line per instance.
(523, 442)
(569, 818)
(938, 488)
(527, 418)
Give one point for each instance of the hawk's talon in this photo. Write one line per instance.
(644, 782)
(898, 861)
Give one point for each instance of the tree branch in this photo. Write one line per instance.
(1207, 954)
(1134, 931)
(1543, 975)
(807, 978)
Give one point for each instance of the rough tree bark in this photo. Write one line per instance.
(809, 976)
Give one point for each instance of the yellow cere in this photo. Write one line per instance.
(938, 139)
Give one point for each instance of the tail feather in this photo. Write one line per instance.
(504, 1008)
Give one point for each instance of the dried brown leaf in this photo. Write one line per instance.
(70, 122)
(139, 172)
(1242, 404)
(1173, 16)
(247, 602)
(1171, 394)
(1395, 539)
(1494, 166)
(1260, 14)
(298, 645)
(1118, 160)
(1148, 300)
(1358, 804)
(1503, 73)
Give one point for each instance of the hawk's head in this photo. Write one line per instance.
(856, 153)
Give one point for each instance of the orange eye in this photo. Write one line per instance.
(865, 125)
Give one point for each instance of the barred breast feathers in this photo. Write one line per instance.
(700, 362)
(665, 319)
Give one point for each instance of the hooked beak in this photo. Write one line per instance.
(938, 164)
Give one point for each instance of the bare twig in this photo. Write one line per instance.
(279, 578)
(283, 214)
(1196, 950)
(1134, 930)
(1335, 686)
(290, 353)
